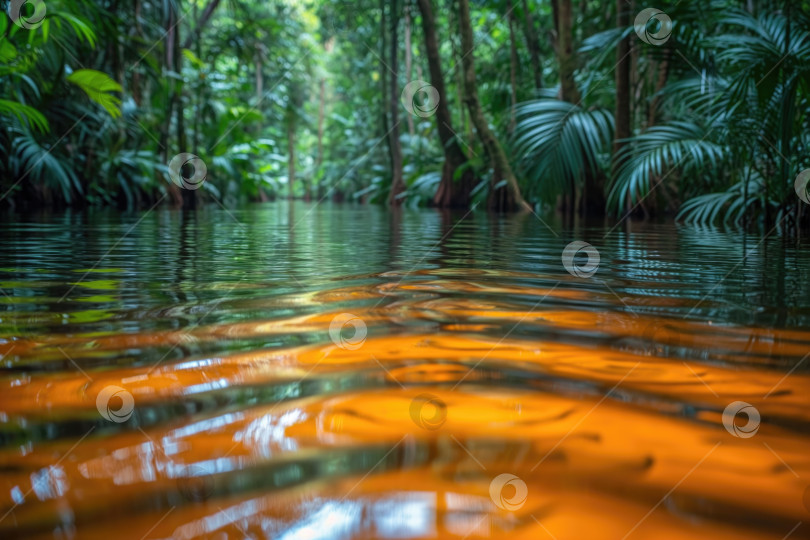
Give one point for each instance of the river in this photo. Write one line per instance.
(324, 371)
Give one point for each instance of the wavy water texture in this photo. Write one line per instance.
(327, 372)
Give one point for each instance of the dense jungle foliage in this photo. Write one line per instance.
(694, 109)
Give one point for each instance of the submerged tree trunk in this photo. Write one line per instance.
(507, 197)
(397, 180)
(457, 176)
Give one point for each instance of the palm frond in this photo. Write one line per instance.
(731, 205)
(25, 114)
(682, 146)
(556, 143)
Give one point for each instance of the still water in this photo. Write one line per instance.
(292, 371)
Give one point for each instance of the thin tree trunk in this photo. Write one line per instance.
(206, 15)
(397, 181)
(189, 195)
(259, 76)
(319, 155)
(622, 112)
(384, 101)
(564, 24)
(452, 191)
(565, 51)
(466, 128)
(321, 115)
(409, 60)
(165, 127)
(195, 142)
(787, 117)
(136, 36)
(290, 156)
(504, 198)
(663, 75)
(512, 64)
(533, 45)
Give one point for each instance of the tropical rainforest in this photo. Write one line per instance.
(695, 110)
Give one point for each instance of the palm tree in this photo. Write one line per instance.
(738, 134)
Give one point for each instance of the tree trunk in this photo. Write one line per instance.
(533, 45)
(319, 157)
(510, 14)
(452, 192)
(383, 78)
(189, 195)
(565, 51)
(622, 112)
(409, 60)
(135, 36)
(259, 75)
(321, 115)
(290, 156)
(397, 181)
(209, 10)
(195, 142)
(165, 126)
(663, 73)
(508, 197)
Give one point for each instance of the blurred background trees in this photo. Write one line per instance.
(699, 111)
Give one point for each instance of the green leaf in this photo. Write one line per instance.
(98, 87)
(199, 64)
(80, 27)
(24, 113)
(7, 51)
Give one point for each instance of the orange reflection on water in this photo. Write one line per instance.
(403, 435)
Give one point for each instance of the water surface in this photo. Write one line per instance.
(300, 371)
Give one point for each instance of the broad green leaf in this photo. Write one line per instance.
(98, 87)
